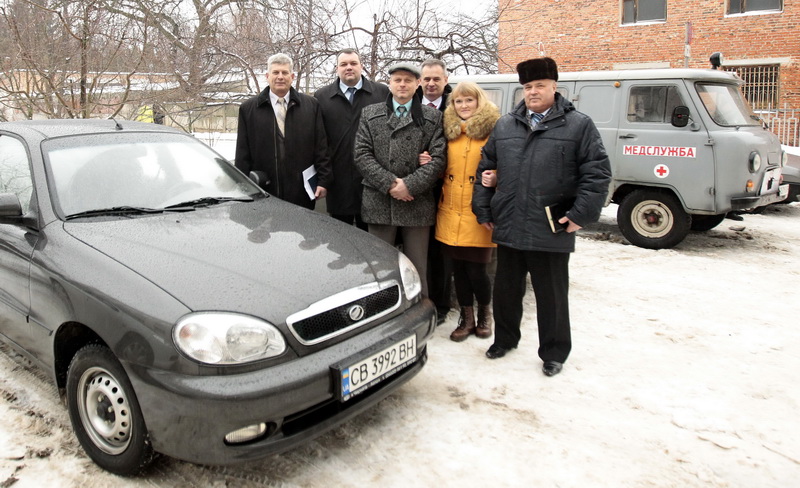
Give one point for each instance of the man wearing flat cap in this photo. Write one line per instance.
(398, 190)
(546, 154)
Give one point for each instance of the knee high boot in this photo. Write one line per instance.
(484, 328)
(466, 325)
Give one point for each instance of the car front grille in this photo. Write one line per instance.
(317, 324)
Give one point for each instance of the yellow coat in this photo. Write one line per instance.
(456, 225)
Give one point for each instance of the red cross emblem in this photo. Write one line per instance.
(661, 171)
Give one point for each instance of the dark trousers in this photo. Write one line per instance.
(549, 272)
(415, 246)
(440, 274)
(352, 220)
(472, 283)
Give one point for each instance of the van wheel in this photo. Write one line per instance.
(105, 414)
(652, 219)
(702, 223)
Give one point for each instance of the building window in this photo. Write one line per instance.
(634, 11)
(744, 6)
(760, 84)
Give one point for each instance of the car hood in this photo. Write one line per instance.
(265, 258)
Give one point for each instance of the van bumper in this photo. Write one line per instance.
(746, 203)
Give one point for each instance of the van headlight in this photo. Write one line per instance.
(408, 273)
(784, 159)
(221, 338)
(755, 162)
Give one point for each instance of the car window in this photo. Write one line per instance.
(148, 170)
(15, 171)
(653, 103)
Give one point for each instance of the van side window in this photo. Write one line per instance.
(15, 172)
(653, 103)
(495, 95)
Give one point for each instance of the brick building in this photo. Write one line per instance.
(759, 39)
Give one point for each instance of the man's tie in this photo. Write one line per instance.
(280, 115)
(535, 119)
(431, 104)
(401, 111)
(350, 93)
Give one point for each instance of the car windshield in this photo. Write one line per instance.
(141, 171)
(726, 105)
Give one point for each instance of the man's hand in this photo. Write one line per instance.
(321, 192)
(489, 178)
(424, 158)
(399, 191)
(488, 225)
(572, 226)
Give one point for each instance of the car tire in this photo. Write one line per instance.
(703, 223)
(105, 413)
(652, 219)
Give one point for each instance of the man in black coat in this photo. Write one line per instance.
(341, 103)
(281, 134)
(434, 92)
(545, 153)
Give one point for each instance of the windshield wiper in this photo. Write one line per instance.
(121, 210)
(206, 201)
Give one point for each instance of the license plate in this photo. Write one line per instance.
(359, 376)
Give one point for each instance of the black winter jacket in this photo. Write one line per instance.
(564, 158)
(341, 124)
(305, 144)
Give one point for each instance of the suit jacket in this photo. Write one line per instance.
(305, 144)
(341, 124)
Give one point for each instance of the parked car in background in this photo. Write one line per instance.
(791, 173)
(180, 309)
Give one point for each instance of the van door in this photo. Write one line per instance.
(599, 100)
(652, 152)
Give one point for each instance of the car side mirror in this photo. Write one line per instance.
(680, 116)
(10, 208)
(260, 179)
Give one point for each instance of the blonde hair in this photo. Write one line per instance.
(468, 89)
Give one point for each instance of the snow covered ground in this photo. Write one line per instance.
(684, 373)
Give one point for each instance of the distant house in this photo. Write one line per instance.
(758, 39)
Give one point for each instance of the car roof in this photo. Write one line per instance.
(631, 74)
(64, 127)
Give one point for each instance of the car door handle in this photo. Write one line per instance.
(628, 136)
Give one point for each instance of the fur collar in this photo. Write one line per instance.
(479, 126)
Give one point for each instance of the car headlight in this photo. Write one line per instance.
(408, 273)
(784, 158)
(227, 338)
(755, 162)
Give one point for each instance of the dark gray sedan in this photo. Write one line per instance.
(182, 310)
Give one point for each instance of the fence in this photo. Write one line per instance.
(785, 123)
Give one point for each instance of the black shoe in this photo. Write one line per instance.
(734, 216)
(441, 315)
(496, 351)
(551, 368)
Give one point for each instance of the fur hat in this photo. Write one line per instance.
(537, 69)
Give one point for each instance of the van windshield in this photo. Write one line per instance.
(726, 105)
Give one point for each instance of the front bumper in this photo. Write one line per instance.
(188, 417)
(750, 202)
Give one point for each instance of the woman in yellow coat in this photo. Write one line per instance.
(468, 120)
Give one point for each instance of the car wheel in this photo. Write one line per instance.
(703, 223)
(652, 219)
(105, 413)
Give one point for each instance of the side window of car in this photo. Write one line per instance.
(653, 103)
(15, 171)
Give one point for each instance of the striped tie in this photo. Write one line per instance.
(401, 111)
(280, 115)
(535, 119)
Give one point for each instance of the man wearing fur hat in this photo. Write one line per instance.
(545, 153)
(397, 190)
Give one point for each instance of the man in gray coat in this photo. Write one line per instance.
(398, 190)
(545, 153)
(341, 103)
